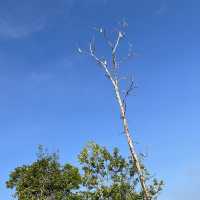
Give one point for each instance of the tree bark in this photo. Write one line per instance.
(130, 141)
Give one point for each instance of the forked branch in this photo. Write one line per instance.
(112, 73)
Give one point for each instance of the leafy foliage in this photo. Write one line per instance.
(104, 176)
(44, 179)
(109, 176)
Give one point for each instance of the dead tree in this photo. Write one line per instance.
(111, 70)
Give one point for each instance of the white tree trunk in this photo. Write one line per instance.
(130, 141)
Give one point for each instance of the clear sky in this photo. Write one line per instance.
(52, 96)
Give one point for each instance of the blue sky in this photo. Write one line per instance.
(50, 95)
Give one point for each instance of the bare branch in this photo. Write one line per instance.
(120, 36)
(103, 32)
(112, 73)
(114, 60)
(107, 40)
(129, 55)
(81, 51)
(129, 89)
(127, 92)
(102, 63)
(123, 23)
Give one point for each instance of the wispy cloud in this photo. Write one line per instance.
(22, 18)
(10, 29)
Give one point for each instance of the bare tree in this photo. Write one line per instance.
(111, 69)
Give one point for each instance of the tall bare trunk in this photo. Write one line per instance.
(111, 73)
(130, 141)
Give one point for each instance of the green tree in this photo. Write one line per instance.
(108, 176)
(102, 176)
(45, 179)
